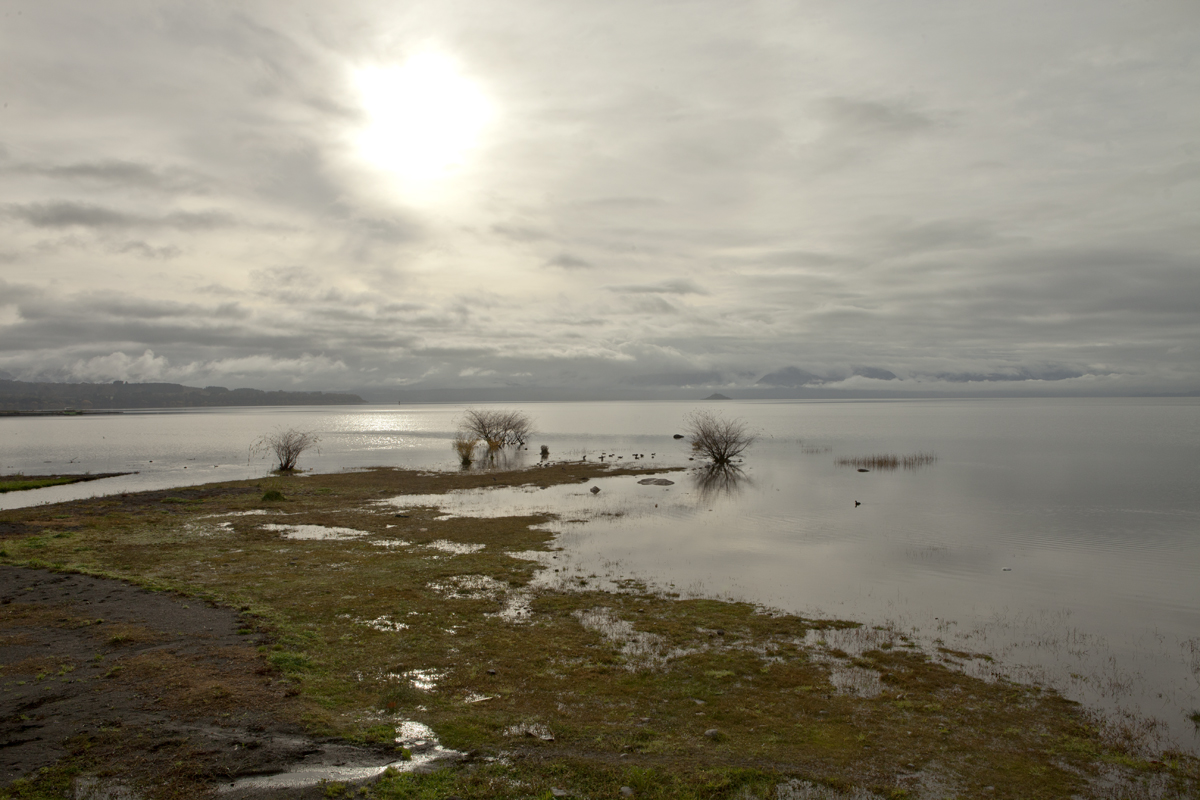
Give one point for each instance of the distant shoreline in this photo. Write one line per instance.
(60, 412)
(80, 398)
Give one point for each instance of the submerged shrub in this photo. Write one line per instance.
(498, 427)
(287, 445)
(716, 437)
(465, 445)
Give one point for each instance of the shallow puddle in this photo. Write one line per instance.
(424, 679)
(383, 624)
(254, 512)
(314, 532)
(455, 548)
(619, 496)
(390, 543)
(516, 608)
(534, 730)
(470, 587)
(334, 764)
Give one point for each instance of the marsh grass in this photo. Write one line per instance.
(888, 461)
(626, 681)
(464, 445)
(20, 482)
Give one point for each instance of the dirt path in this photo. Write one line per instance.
(141, 689)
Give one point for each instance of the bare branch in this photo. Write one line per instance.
(287, 445)
(717, 438)
(497, 427)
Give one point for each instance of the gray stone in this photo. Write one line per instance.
(595, 490)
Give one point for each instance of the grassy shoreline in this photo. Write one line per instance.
(432, 619)
(21, 483)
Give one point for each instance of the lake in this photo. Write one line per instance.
(1061, 536)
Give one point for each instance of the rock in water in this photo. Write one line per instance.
(595, 490)
(656, 482)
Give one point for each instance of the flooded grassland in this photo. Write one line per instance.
(374, 618)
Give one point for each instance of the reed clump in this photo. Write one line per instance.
(888, 461)
(464, 445)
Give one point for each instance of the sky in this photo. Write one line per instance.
(608, 199)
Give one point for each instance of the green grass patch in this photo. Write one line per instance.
(22, 484)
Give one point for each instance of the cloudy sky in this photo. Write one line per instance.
(603, 196)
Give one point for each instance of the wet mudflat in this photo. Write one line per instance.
(357, 612)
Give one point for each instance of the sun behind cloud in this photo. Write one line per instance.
(425, 118)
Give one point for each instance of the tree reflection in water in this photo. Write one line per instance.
(720, 480)
(500, 460)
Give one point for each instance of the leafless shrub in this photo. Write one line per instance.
(717, 438)
(287, 445)
(465, 444)
(888, 461)
(497, 427)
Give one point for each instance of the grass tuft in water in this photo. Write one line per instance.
(888, 461)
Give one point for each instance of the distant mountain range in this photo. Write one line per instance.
(22, 396)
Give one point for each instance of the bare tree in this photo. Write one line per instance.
(717, 438)
(287, 445)
(497, 427)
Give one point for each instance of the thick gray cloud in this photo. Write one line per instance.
(803, 196)
(568, 261)
(676, 286)
(114, 172)
(67, 214)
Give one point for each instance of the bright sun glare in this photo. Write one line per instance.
(424, 117)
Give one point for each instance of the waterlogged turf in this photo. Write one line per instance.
(22, 483)
(376, 616)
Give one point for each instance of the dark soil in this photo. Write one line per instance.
(141, 689)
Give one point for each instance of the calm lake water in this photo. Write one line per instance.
(1060, 535)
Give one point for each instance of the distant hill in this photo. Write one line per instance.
(22, 396)
(716, 396)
